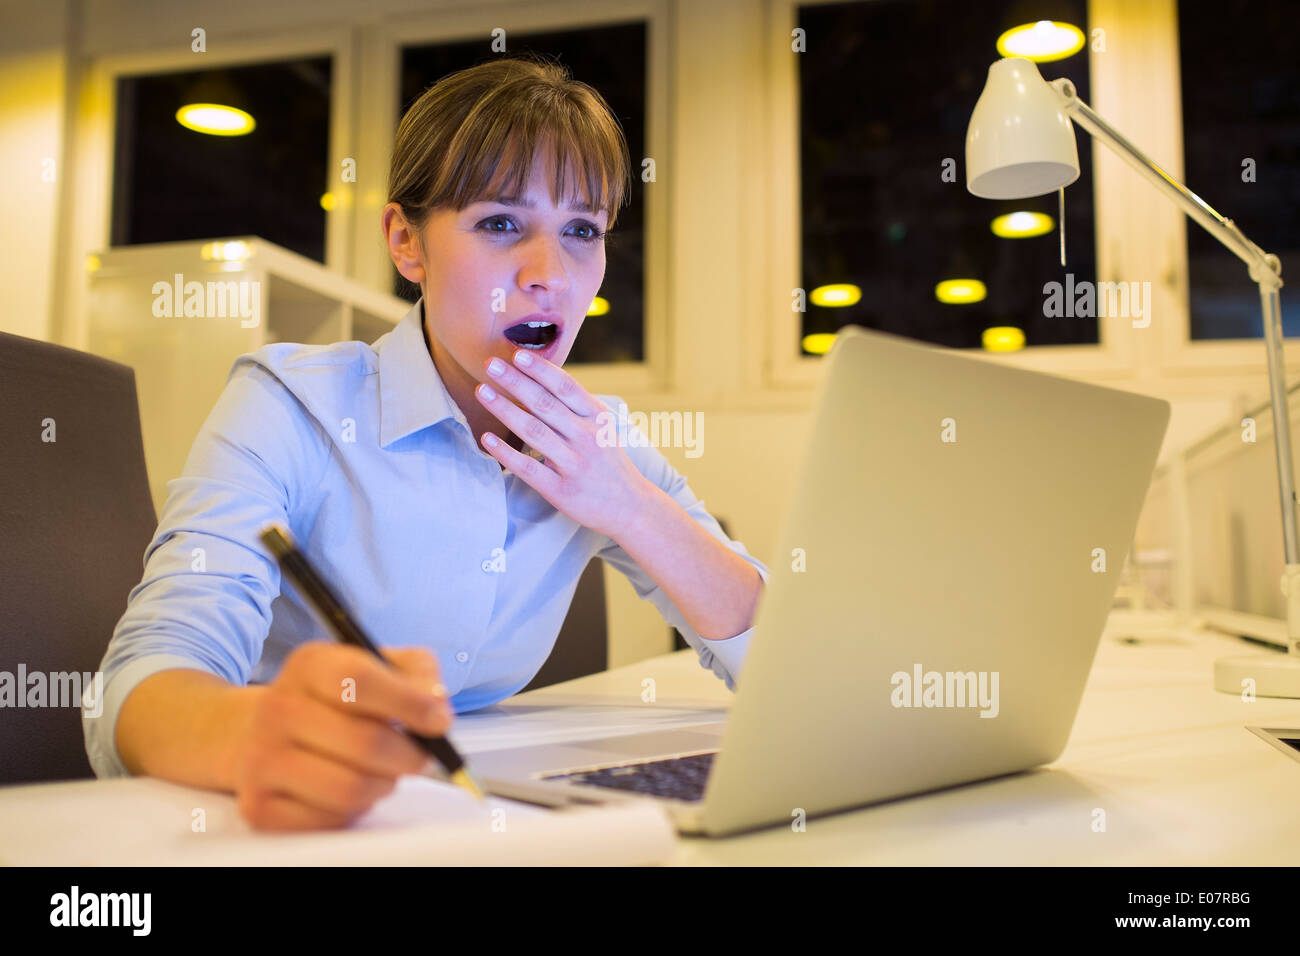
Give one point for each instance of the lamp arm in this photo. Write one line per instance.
(1266, 270)
(1264, 267)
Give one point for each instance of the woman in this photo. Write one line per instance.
(452, 481)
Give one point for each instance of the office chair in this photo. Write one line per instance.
(75, 519)
(581, 646)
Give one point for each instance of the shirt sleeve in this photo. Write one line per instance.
(204, 601)
(724, 656)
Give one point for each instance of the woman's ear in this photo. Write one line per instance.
(403, 244)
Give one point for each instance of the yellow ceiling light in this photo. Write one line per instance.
(835, 296)
(1003, 338)
(225, 251)
(599, 306)
(960, 291)
(819, 343)
(92, 263)
(327, 202)
(1042, 42)
(1022, 225)
(215, 119)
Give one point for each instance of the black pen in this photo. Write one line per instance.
(280, 542)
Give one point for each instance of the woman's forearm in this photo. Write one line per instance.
(185, 726)
(715, 588)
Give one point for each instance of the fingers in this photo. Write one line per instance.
(545, 437)
(322, 746)
(419, 663)
(353, 679)
(556, 381)
(545, 389)
(538, 476)
(367, 746)
(272, 811)
(297, 788)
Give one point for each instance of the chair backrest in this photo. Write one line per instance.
(581, 646)
(75, 519)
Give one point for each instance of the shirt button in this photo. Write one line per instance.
(462, 657)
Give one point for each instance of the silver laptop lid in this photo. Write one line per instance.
(942, 580)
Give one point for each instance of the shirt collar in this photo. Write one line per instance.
(412, 395)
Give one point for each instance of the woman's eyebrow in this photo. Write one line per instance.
(529, 204)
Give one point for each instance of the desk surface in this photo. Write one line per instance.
(1166, 757)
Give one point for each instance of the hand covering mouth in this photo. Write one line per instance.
(537, 334)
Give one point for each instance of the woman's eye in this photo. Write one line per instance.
(585, 231)
(496, 219)
(593, 234)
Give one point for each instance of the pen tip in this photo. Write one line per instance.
(467, 780)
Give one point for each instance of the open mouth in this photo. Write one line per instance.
(533, 335)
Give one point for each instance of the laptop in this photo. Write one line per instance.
(944, 574)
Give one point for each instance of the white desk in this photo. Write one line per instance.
(1154, 746)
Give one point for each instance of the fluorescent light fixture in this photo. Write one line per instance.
(835, 296)
(1003, 338)
(225, 251)
(960, 291)
(1042, 42)
(1022, 225)
(215, 119)
(819, 343)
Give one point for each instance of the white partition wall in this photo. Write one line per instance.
(1215, 505)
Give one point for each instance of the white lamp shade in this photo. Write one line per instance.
(1019, 143)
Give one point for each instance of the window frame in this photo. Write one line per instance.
(91, 226)
(1135, 225)
(1112, 358)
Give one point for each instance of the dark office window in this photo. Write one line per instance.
(612, 59)
(886, 90)
(171, 183)
(1241, 150)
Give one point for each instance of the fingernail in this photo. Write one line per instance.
(496, 366)
(439, 689)
(486, 391)
(523, 358)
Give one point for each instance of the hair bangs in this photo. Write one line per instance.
(581, 156)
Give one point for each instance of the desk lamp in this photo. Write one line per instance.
(1020, 143)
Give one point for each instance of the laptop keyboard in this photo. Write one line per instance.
(678, 778)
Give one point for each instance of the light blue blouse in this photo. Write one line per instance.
(363, 453)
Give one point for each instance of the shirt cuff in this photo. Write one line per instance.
(726, 656)
(99, 721)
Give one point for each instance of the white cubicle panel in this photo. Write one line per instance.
(180, 314)
(1215, 505)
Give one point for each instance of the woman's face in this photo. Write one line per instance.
(496, 264)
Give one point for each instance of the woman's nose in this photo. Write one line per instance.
(543, 265)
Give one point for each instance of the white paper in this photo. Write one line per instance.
(148, 822)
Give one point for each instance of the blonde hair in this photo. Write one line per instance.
(473, 135)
